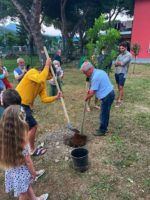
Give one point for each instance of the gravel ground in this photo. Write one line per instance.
(54, 142)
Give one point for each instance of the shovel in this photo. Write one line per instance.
(62, 100)
(78, 140)
(82, 124)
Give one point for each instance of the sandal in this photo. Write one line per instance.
(43, 197)
(39, 151)
(39, 174)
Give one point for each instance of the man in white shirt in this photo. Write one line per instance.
(20, 71)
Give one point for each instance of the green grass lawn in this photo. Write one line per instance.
(119, 163)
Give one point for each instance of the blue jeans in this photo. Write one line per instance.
(105, 111)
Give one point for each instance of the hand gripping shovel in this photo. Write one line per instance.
(76, 138)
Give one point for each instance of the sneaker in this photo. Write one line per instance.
(39, 174)
(100, 133)
(40, 145)
(43, 197)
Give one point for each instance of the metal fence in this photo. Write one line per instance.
(8, 52)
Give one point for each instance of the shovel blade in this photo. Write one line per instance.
(76, 140)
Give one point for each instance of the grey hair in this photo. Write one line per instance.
(56, 62)
(20, 59)
(86, 66)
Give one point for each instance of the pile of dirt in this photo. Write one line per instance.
(54, 142)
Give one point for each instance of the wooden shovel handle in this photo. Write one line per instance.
(58, 88)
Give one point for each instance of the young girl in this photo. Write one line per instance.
(14, 154)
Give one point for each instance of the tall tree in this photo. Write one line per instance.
(99, 41)
(7, 9)
(69, 16)
(77, 16)
(112, 8)
(30, 11)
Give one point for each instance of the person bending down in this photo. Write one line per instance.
(32, 85)
(100, 85)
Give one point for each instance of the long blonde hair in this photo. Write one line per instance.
(13, 135)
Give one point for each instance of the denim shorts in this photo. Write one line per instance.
(29, 117)
(120, 80)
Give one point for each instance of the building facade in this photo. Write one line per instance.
(141, 28)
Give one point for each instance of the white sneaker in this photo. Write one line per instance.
(39, 174)
(43, 197)
(41, 145)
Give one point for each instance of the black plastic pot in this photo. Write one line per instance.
(80, 159)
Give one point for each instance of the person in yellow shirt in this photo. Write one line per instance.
(32, 85)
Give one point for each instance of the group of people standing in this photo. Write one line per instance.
(101, 87)
(18, 126)
(18, 129)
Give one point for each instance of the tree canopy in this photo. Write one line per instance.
(69, 16)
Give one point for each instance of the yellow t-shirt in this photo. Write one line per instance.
(33, 84)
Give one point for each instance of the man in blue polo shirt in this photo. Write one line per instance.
(101, 86)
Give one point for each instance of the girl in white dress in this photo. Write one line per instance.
(14, 155)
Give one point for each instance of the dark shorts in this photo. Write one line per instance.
(120, 80)
(29, 117)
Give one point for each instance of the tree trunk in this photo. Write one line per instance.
(134, 65)
(31, 45)
(32, 19)
(39, 44)
(81, 42)
(64, 27)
